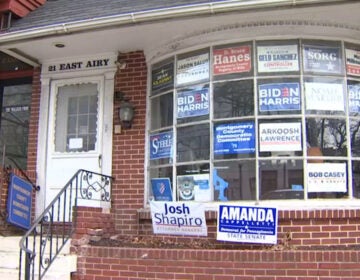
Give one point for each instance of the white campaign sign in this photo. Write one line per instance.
(326, 177)
(192, 69)
(324, 96)
(277, 58)
(280, 137)
(178, 218)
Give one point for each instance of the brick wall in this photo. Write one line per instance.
(90, 218)
(128, 147)
(133, 263)
(312, 245)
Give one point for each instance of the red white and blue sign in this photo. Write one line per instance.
(161, 189)
(249, 224)
(193, 103)
(19, 202)
(234, 138)
(279, 97)
(161, 145)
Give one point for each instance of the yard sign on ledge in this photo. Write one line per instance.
(178, 218)
(19, 202)
(247, 224)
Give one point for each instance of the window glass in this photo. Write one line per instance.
(260, 120)
(281, 179)
(15, 97)
(162, 111)
(356, 178)
(326, 137)
(355, 137)
(76, 118)
(193, 143)
(234, 180)
(233, 99)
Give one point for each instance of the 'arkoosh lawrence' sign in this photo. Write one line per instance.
(247, 224)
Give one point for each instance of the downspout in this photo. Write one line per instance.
(157, 14)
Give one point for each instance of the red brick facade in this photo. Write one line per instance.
(299, 232)
(312, 244)
(131, 263)
(128, 147)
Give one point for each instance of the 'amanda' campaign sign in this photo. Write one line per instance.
(178, 218)
(249, 224)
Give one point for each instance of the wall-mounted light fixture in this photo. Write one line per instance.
(126, 110)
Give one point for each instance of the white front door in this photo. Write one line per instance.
(75, 131)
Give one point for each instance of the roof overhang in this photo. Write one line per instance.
(171, 27)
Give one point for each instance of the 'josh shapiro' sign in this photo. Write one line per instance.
(247, 224)
(178, 218)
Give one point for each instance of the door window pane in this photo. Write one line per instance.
(76, 118)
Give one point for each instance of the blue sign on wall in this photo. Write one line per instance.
(234, 138)
(247, 224)
(19, 202)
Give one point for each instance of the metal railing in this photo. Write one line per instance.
(55, 226)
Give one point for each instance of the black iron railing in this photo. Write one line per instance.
(54, 227)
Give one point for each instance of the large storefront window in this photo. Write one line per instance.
(258, 120)
(15, 98)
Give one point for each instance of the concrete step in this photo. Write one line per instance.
(61, 269)
(9, 274)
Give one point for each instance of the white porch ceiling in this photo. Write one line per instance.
(158, 38)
